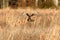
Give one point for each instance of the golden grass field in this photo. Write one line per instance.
(14, 24)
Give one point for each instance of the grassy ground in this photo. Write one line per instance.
(14, 24)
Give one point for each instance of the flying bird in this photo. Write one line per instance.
(29, 17)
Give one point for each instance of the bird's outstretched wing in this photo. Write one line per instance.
(27, 14)
(32, 14)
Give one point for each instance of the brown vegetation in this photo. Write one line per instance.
(14, 24)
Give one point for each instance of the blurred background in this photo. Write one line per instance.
(30, 3)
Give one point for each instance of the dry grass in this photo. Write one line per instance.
(14, 24)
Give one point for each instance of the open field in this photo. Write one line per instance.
(14, 24)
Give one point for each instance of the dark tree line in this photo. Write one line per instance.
(30, 3)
